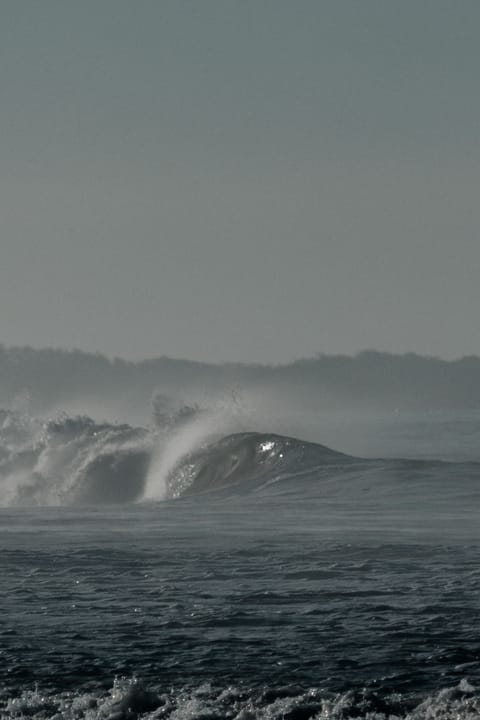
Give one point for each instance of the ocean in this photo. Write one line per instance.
(196, 569)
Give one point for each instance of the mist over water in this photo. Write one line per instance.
(296, 538)
(252, 551)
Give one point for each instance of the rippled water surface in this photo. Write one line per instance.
(190, 593)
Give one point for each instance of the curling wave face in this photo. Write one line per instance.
(249, 460)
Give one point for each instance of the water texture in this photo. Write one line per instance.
(178, 572)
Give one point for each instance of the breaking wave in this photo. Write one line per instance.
(75, 460)
(187, 450)
(69, 460)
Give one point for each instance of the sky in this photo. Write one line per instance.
(249, 180)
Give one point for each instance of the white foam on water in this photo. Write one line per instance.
(129, 699)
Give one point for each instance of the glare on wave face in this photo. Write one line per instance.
(267, 446)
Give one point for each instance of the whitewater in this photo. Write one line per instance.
(209, 566)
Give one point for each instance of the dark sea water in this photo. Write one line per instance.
(242, 576)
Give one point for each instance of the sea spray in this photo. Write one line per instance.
(182, 429)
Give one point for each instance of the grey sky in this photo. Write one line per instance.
(251, 180)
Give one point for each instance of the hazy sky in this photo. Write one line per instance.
(250, 180)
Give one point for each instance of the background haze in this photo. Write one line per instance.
(240, 180)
